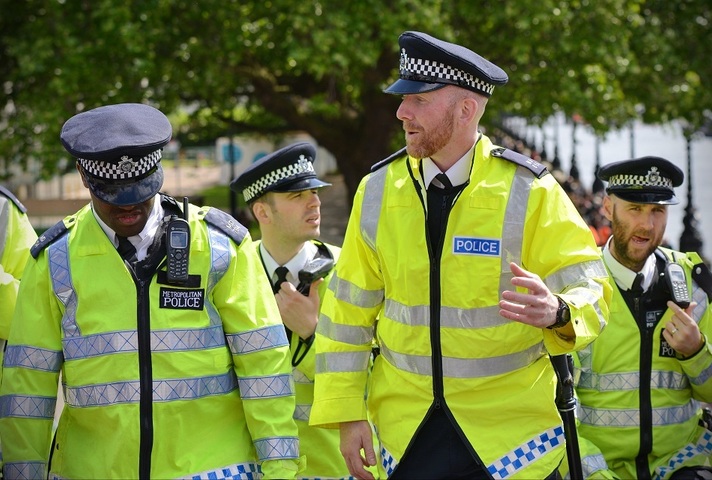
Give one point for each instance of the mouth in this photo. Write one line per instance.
(314, 219)
(130, 218)
(638, 240)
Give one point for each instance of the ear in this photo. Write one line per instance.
(607, 208)
(468, 109)
(262, 212)
(81, 174)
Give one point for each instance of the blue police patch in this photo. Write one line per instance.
(476, 246)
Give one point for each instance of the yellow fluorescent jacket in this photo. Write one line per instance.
(612, 405)
(492, 374)
(320, 446)
(213, 358)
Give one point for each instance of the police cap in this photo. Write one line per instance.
(119, 149)
(289, 169)
(427, 63)
(643, 180)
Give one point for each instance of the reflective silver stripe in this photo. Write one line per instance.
(277, 448)
(219, 263)
(513, 227)
(25, 470)
(702, 378)
(163, 390)
(528, 452)
(265, 387)
(464, 367)
(450, 317)
(350, 293)
(4, 219)
(61, 275)
(703, 448)
(25, 406)
(609, 417)
(255, 340)
(342, 361)
(344, 333)
(32, 357)
(610, 382)
(591, 464)
(699, 296)
(239, 471)
(302, 412)
(299, 377)
(389, 463)
(578, 275)
(372, 205)
(127, 341)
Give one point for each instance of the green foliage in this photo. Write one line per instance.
(274, 66)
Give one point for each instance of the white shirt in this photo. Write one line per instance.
(624, 276)
(294, 265)
(458, 174)
(145, 238)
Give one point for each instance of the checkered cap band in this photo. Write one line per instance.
(436, 72)
(126, 168)
(651, 179)
(301, 167)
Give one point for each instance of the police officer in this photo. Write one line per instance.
(16, 238)
(282, 191)
(477, 266)
(169, 368)
(642, 380)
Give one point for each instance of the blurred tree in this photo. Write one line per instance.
(274, 66)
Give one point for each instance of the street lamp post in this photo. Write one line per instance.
(690, 239)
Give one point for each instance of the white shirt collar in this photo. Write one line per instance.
(624, 276)
(294, 265)
(145, 237)
(458, 174)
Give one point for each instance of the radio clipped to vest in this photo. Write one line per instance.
(313, 271)
(178, 247)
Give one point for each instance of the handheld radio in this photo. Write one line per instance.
(178, 246)
(677, 284)
(313, 271)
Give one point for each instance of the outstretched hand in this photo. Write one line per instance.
(537, 307)
(682, 332)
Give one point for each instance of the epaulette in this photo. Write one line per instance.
(702, 276)
(226, 224)
(14, 199)
(388, 159)
(530, 164)
(48, 237)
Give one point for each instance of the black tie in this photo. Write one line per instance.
(637, 289)
(126, 249)
(281, 277)
(442, 178)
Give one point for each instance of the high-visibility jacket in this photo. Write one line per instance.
(635, 394)
(159, 380)
(442, 341)
(320, 446)
(16, 238)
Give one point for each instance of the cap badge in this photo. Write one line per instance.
(403, 59)
(653, 176)
(126, 164)
(304, 164)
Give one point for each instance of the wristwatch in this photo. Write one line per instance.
(563, 315)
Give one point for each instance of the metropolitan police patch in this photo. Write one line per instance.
(182, 299)
(476, 246)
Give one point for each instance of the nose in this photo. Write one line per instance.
(314, 200)
(403, 113)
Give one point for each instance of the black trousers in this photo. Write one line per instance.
(438, 452)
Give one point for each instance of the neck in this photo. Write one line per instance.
(281, 251)
(453, 152)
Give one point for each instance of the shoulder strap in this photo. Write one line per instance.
(4, 191)
(388, 159)
(226, 224)
(522, 160)
(323, 249)
(48, 237)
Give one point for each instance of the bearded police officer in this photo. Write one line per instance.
(16, 238)
(174, 362)
(641, 382)
(477, 266)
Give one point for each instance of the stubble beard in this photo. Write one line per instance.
(430, 143)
